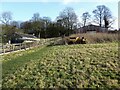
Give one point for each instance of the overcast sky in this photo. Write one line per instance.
(23, 10)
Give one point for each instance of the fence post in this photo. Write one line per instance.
(33, 44)
(20, 46)
(9, 47)
(4, 49)
(25, 46)
(29, 45)
(13, 47)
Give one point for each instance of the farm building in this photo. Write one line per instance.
(92, 29)
(19, 38)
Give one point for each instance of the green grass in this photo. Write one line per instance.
(89, 65)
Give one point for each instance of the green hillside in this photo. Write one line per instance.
(81, 66)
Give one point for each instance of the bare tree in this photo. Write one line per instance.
(103, 15)
(14, 23)
(36, 24)
(85, 17)
(6, 17)
(99, 14)
(46, 23)
(36, 17)
(108, 18)
(69, 18)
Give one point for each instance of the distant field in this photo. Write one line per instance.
(81, 66)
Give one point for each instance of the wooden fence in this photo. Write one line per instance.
(19, 46)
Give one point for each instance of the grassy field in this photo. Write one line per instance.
(81, 66)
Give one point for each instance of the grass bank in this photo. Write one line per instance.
(81, 66)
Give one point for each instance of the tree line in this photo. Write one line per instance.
(65, 24)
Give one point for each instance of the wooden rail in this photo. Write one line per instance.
(14, 47)
(23, 46)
